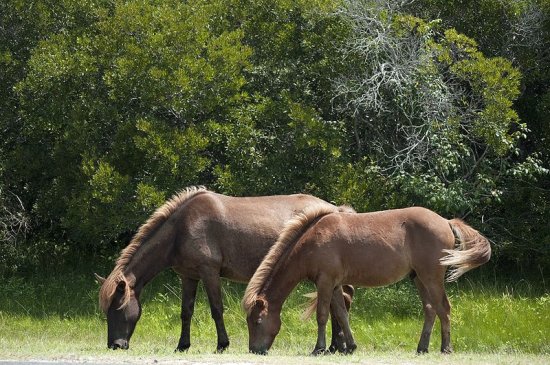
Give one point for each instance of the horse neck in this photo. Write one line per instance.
(282, 282)
(148, 261)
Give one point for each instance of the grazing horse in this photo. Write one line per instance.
(367, 249)
(202, 236)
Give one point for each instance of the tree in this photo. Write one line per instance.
(518, 30)
(153, 96)
(430, 110)
(133, 93)
(285, 137)
(109, 107)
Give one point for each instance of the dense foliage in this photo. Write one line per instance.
(109, 107)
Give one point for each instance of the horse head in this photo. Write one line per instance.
(263, 327)
(123, 312)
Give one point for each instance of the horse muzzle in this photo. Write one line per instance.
(258, 351)
(119, 344)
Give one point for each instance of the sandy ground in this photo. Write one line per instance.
(376, 359)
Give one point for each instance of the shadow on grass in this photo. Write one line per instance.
(66, 295)
(74, 294)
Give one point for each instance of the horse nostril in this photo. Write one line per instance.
(119, 344)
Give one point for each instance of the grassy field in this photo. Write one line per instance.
(493, 321)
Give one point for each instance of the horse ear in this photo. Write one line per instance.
(100, 280)
(348, 295)
(261, 304)
(121, 285)
(349, 290)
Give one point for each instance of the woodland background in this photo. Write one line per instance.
(108, 107)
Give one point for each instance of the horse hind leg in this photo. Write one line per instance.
(338, 342)
(440, 305)
(340, 314)
(189, 293)
(444, 313)
(429, 317)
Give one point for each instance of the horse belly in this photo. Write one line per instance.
(241, 255)
(377, 270)
(231, 274)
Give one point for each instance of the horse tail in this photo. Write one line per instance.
(472, 250)
(311, 306)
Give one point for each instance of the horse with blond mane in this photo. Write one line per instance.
(368, 249)
(202, 236)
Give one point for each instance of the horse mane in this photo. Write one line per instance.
(160, 216)
(291, 232)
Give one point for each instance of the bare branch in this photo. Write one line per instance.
(417, 104)
(14, 222)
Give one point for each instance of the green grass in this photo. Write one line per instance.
(58, 318)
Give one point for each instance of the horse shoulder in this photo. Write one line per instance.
(193, 224)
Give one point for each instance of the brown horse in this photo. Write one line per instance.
(368, 249)
(202, 236)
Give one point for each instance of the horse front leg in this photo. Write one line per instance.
(212, 283)
(324, 295)
(188, 295)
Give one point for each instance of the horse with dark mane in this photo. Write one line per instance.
(202, 236)
(368, 249)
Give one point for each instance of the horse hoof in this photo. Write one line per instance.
(421, 351)
(182, 348)
(222, 347)
(339, 346)
(320, 352)
(350, 349)
(447, 350)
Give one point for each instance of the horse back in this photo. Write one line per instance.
(379, 248)
(232, 233)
